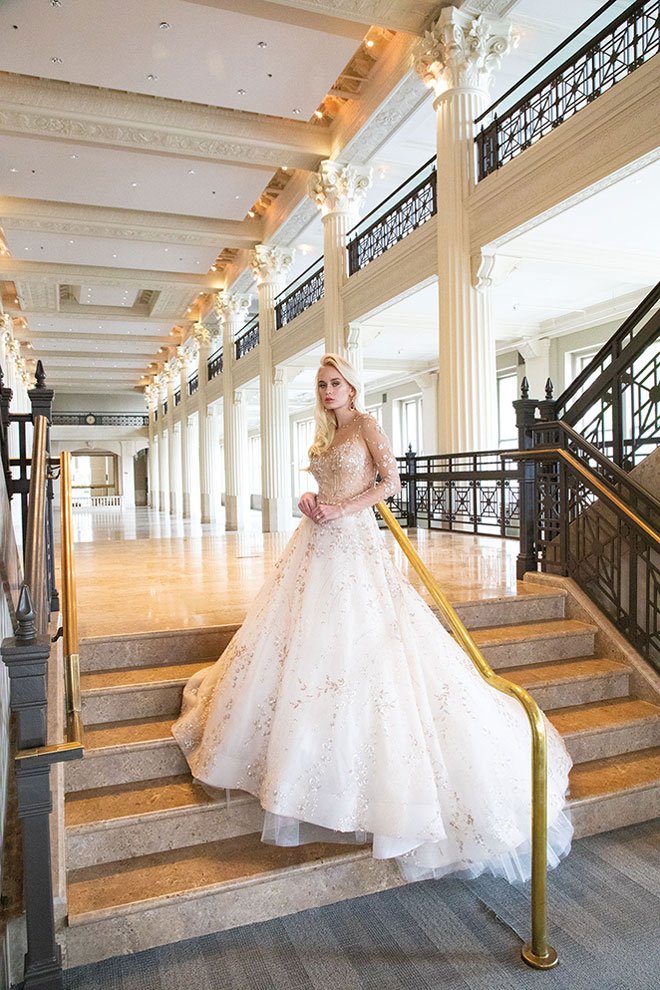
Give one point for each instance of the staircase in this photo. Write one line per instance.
(153, 859)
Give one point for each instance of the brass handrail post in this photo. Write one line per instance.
(536, 953)
(70, 603)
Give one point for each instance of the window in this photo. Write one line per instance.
(377, 413)
(408, 429)
(507, 393)
(303, 437)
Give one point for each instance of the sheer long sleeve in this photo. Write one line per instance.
(381, 451)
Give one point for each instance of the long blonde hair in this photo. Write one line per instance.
(326, 421)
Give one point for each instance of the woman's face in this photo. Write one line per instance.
(334, 390)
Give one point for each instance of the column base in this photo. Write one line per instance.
(276, 515)
(236, 509)
(161, 502)
(186, 505)
(205, 506)
(173, 505)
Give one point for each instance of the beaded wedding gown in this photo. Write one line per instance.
(344, 706)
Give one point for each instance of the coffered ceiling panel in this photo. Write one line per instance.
(53, 170)
(185, 51)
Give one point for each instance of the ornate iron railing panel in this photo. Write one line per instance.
(300, 295)
(193, 383)
(622, 46)
(583, 531)
(100, 419)
(215, 365)
(165, 408)
(474, 492)
(388, 224)
(248, 338)
(177, 397)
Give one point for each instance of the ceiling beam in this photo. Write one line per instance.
(47, 108)
(135, 225)
(95, 275)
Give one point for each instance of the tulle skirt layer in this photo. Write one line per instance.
(351, 714)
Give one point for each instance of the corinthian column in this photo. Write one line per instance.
(170, 374)
(232, 310)
(339, 192)
(151, 395)
(457, 59)
(270, 267)
(182, 360)
(162, 448)
(203, 339)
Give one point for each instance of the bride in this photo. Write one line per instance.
(345, 707)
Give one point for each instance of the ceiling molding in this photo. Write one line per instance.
(106, 221)
(94, 275)
(398, 15)
(36, 107)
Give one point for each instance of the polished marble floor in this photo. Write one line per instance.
(140, 570)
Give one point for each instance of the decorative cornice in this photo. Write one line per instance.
(339, 188)
(75, 112)
(399, 15)
(270, 264)
(461, 51)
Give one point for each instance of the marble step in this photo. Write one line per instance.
(135, 819)
(123, 693)
(535, 605)
(563, 683)
(121, 752)
(535, 642)
(607, 728)
(151, 648)
(135, 904)
(616, 791)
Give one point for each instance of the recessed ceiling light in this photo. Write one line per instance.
(242, 92)
(296, 110)
(164, 26)
(134, 184)
(70, 242)
(214, 269)
(56, 60)
(152, 77)
(27, 249)
(114, 256)
(250, 213)
(285, 168)
(237, 197)
(166, 250)
(13, 170)
(262, 44)
(319, 114)
(370, 43)
(73, 157)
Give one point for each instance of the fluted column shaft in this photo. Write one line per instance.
(460, 54)
(275, 446)
(205, 481)
(233, 312)
(171, 449)
(152, 459)
(162, 458)
(354, 351)
(185, 451)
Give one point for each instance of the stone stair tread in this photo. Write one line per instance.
(524, 590)
(120, 802)
(560, 671)
(107, 735)
(615, 774)
(601, 716)
(142, 882)
(119, 678)
(529, 631)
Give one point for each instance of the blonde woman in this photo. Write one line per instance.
(344, 706)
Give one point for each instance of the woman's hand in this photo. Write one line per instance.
(324, 513)
(307, 503)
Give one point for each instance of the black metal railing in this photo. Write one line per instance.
(475, 492)
(214, 366)
(614, 403)
(631, 39)
(300, 294)
(193, 383)
(165, 408)
(410, 205)
(100, 419)
(248, 337)
(177, 397)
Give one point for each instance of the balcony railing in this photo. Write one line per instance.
(165, 408)
(100, 419)
(177, 397)
(410, 205)
(300, 294)
(193, 383)
(215, 365)
(248, 338)
(612, 54)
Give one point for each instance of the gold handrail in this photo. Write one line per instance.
(73, 747)
(536, 953)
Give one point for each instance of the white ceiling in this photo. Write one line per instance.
(205, 56)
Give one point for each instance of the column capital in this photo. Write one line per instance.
(337, 188)
(151, 394)
(462, 51)
(201, 334)
(270, 264)
(232, 306)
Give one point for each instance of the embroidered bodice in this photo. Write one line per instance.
(346, 472)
